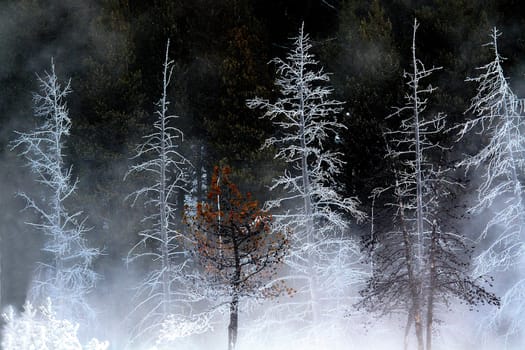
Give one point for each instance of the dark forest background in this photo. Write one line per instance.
(113, 52)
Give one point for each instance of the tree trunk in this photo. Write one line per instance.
(432, 285)
(414, 284)
(407, 329)
(234, 321)
(419, 330)
(418, 156)
(234, 306)
(163, 195)
(307, 195)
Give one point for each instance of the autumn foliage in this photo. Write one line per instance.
(234, 240)
(235, 244)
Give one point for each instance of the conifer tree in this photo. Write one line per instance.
(68, 277)
(162, 292)
(498, 115)
(417, 265)
(305, 117)
(237, 246)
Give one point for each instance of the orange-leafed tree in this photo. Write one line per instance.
(236, 246)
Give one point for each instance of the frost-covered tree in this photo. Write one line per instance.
(397, 287)
(162, 292)
(67, 277)
(40, 329)
(322, 253)
(498, 115)
(175, 328)
(411, 145)
(236, 246)
(417, 265)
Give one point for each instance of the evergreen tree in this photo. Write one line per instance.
(110, 105)
(365, 60)
(237, 246)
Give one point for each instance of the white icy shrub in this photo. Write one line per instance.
(40, 329)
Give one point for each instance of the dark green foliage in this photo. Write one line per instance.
(366, 75)
(109, 119)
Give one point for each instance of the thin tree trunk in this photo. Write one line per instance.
(234, 322)
(312, 278)
(419, 181)
(163, 200)
(234, 306)
(432, 285)
(414, 285)
(407, 329)
(58, 238)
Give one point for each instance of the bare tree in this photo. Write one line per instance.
(68, 277)
(416, 263)
(498, 115)
(161, 293)
(409, 144)
(305, 117)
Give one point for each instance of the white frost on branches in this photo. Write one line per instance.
(322, 253)
(411, 145)
(418, 264)
(176, 327)
(95, 344)
(161, 293)
(39, 329)
(498, 115)
(67, 277)
(401, 270)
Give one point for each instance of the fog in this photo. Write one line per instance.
(75, 34)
